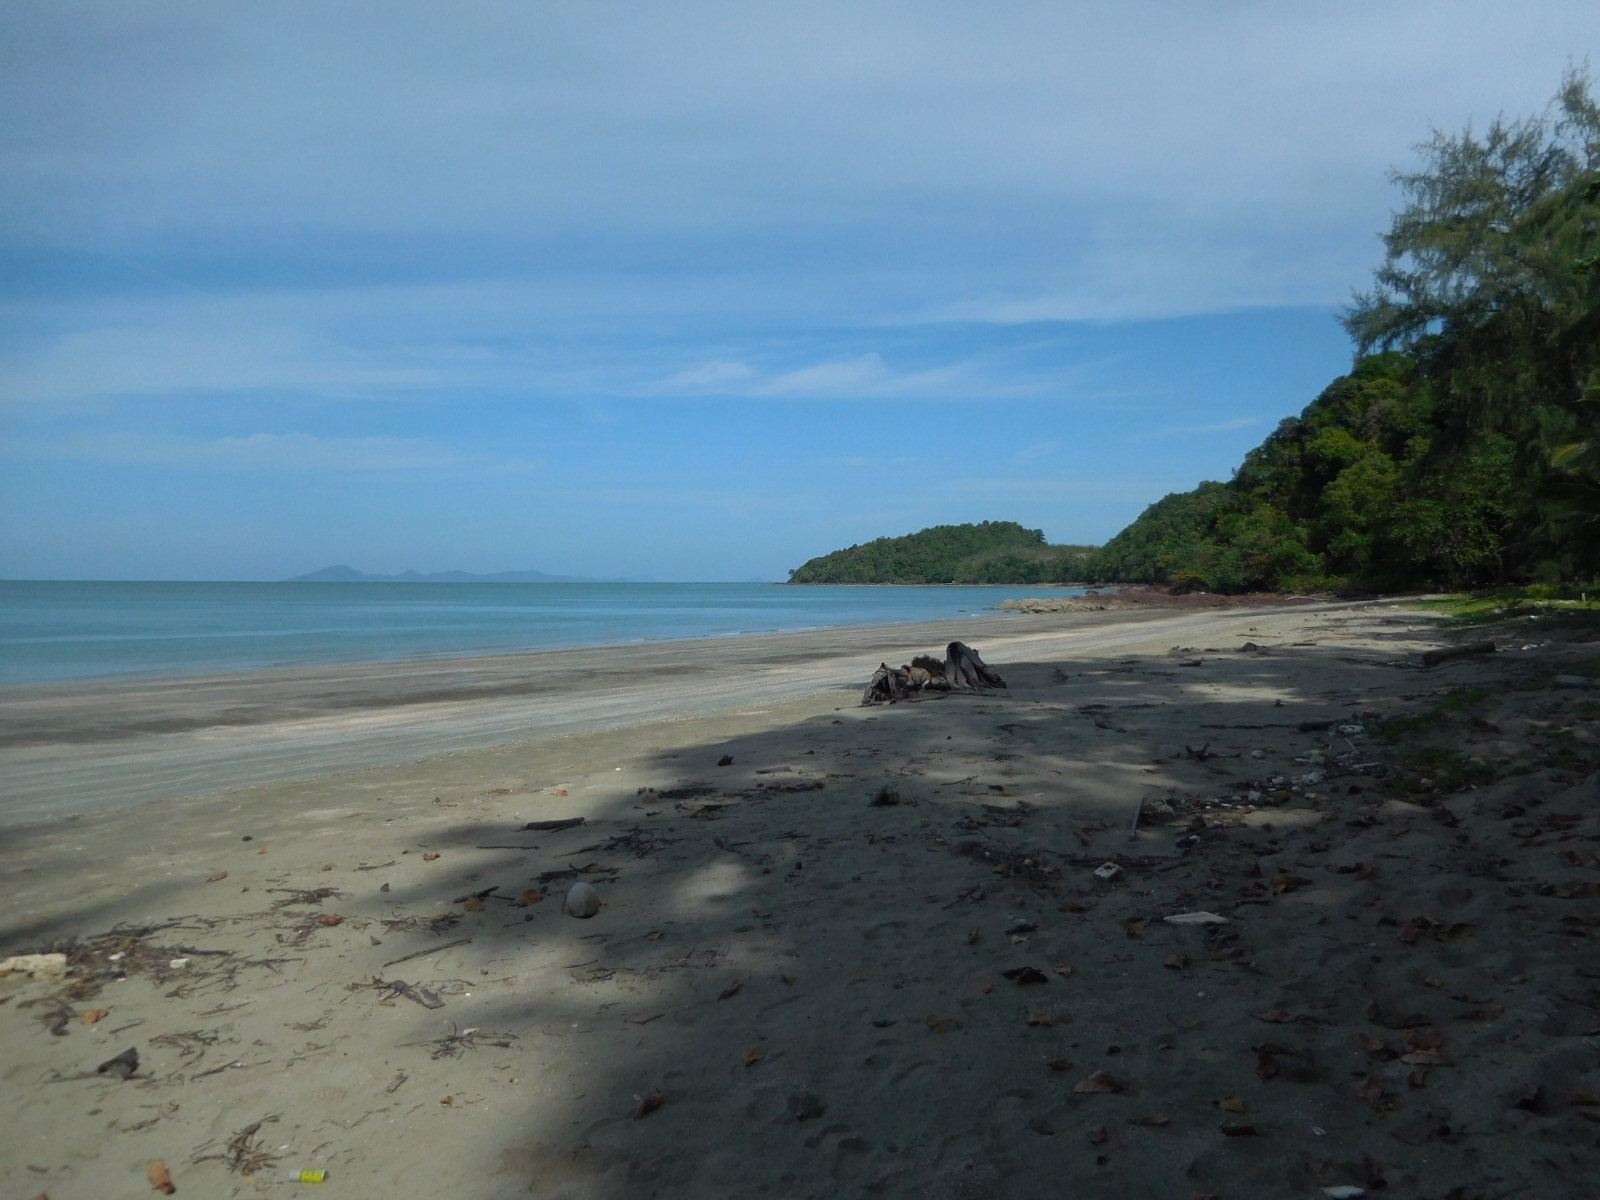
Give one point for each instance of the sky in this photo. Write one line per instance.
(683, 290)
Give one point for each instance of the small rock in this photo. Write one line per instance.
(804, 1106)
(1195, 918)
(1107, 871)
(583, 901)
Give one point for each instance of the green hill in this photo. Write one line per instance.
(989, 552)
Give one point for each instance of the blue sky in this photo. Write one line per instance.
(682, 290)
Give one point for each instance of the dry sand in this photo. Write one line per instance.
(789, 990)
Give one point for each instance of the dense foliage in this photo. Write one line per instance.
(990, 552)
(1464, 448)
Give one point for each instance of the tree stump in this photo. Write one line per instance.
(961, 668)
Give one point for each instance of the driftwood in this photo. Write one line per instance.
(961, 669)
(1434, 657)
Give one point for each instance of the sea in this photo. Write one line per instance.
(62, 631)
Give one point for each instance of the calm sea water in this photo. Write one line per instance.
(56, 631)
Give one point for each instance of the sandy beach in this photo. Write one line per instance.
(922, 949)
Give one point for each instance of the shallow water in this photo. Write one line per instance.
(52, 632)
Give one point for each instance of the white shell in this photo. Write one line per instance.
(582, 900)
(1108, 870)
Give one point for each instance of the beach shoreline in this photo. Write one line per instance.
(77, 747)
(913, 949)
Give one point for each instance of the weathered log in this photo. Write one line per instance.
(1433, 658)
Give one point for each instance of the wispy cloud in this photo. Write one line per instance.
(1036, 452)
(862, 376)
(1172, 431)
(259, 452)
(712, 376)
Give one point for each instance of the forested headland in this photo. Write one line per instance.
(1462, 449)
(988, 552)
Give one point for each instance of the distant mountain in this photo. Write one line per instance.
(344, 574)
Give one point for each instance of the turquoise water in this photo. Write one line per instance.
(57, 631)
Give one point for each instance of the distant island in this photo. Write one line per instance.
(988, 552)
(344, 574)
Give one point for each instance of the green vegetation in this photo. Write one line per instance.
(990, 552)
(1566, 606)
(1464, 448)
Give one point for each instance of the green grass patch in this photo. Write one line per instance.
(1447, 712)
(1440, 768)
(1564, 606)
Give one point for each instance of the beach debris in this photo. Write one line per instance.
(242, 1153)
(1039, 1017)
(1060, 1064)
(885, 797)
(1199, 917)
(648, 1104)
(553, 825)
(1022, 925)
(161, 1178)
(306, 896)
(1239, 1129)
(938, 1024)
(1433, 658)
(961, 669)
(1107, 871)
(804, 1106)
(394, 962)
(725, 761)
(1101, 1082)
(731, 990)
(1344, 1191)
(1233, 1104)
(1025, 975)
(752, 1057)
(1576, 681)
(305, 1175)
(582, 901)
(399, 987)
(218, 877)
(95, 1015)
(452, 1045)
(123, 1066)
(39, 966)
(429, 857)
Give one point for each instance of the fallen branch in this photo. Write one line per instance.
(430, 950)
